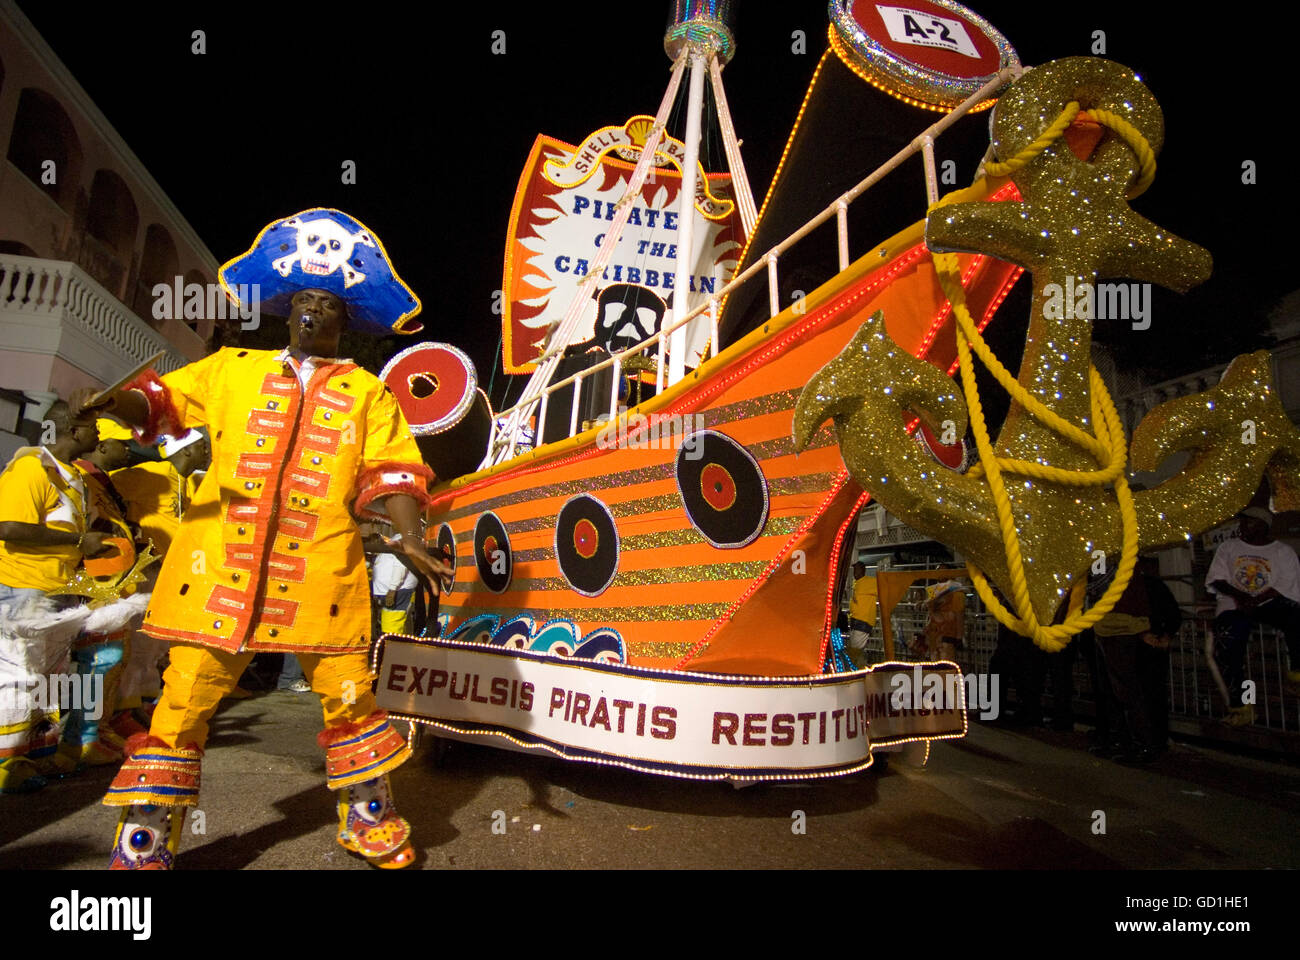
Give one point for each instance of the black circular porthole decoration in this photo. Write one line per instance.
(586, 545)
(447, 546)
(723, 489)
(492, 553)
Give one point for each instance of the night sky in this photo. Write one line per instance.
(439, 128)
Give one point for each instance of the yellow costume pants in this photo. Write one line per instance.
(359, 742)
(199, 677)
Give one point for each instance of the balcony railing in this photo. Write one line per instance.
(42, 295)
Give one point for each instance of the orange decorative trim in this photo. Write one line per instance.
(157, 774)
(371, 486)
(356, 752)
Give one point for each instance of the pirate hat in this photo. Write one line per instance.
(325, 249)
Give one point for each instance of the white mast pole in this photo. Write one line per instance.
(686, 219)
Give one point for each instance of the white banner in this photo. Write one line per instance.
(657, 721)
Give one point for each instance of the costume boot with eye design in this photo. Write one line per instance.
(155, 786)
(370, 827)
(148, 837)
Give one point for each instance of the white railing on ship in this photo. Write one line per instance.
(57, 289)
(503, 449)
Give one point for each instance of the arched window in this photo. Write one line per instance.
(44, 146)
(111, 224)
(158, 264)
(14, 246)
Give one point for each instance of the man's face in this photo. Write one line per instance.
(1254, 530)
(85, 435)
(317, 319)
(113, 454)
(194, 457)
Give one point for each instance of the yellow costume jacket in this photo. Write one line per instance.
(269, 556)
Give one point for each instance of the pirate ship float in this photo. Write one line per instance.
(669, 606)
(657, 587)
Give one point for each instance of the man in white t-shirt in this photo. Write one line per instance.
(1255, 579)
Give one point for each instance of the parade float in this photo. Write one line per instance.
(654, 583)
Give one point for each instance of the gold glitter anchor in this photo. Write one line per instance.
(1034, 528)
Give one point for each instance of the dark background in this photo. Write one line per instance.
(439, 128)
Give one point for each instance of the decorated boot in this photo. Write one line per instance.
(148, 837)
(370, 827)
(358, 758)
(154, 786)
(19, 775)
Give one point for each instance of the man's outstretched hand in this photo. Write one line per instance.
(427, 565)
(405, 514)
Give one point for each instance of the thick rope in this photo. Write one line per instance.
(1146, 157)
(1108, 446)
(1045, 140)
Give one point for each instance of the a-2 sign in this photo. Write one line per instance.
(927, 30)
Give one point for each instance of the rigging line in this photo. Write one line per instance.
(497, 356)
(505, 394)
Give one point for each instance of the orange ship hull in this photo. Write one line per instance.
(757, 598)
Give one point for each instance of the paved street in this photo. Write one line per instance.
(999, 799)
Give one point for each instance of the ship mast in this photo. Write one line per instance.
(699, 37)
(701, 30)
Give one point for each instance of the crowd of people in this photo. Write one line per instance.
(1253, 578)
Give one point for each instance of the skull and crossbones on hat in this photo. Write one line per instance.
(323, 247)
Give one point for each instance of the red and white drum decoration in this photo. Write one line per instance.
(434, 384)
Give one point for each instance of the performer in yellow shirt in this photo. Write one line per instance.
(862, 612)
(44, 533)
(269, 556)
(98, 655)
(158, 492)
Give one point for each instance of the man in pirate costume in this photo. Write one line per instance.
(300, 441)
